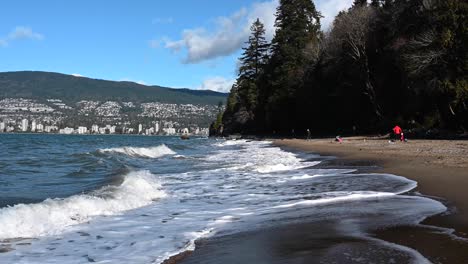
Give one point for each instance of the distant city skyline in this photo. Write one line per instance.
(180, 44)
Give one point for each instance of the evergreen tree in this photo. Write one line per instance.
(392, 61)
(243, 99)
(252, 63)
(376, 3)
(298, 27)
(359, 3)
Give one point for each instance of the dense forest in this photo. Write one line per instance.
(381, 63)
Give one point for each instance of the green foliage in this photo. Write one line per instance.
(393, 61)
(297, 36)
(218, 122)
(243, 100)
(252, 63)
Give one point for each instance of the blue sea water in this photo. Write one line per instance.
(135, 199)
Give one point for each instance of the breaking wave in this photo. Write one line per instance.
(52, 216)
(152, 152)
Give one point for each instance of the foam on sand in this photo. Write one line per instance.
(52, 216)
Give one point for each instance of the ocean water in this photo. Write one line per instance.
(132, 199)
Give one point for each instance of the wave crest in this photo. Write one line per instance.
(53, 215)
(151, 152)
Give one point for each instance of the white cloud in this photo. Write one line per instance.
(19, 33)
(330, 8)
(218, 83)
(231, 32)
(229, 35)
(24, 33)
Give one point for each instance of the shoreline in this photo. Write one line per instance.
(440, 167)
(426, 168)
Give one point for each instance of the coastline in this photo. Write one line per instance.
(439, 167)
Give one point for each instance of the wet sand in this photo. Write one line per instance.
(439, 167)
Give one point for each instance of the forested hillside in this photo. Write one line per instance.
(380, 63)
(72, 89)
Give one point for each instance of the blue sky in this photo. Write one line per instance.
(179, 43)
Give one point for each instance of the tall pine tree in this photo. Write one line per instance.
(298, 27)
(243, 99)
(252, 63)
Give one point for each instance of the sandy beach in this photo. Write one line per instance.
(441, 170)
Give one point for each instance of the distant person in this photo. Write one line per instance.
(293, 134)
(398, 133)
(308, 134)
(338, 139)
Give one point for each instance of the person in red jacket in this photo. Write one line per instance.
(398, 132)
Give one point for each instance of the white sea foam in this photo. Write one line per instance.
(231, 143)
(52, 216)
(306, 176)
(234, 187)
(283, 167)
(151, 152)
(351, 196)
(417, 258)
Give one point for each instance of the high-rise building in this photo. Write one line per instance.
(156, 128)
(33, 126)
(2, 127)
(140, 128)
(24, 125)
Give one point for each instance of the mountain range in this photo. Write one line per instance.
(40, 86)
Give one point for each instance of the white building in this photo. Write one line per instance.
(82, 130)
(33, 126)
(2, 127)
(140, 128)
(95, 129)
(39, 128)
(67, 130)
(169, 131)
(24, 125)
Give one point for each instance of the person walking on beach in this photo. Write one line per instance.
(308, 134)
